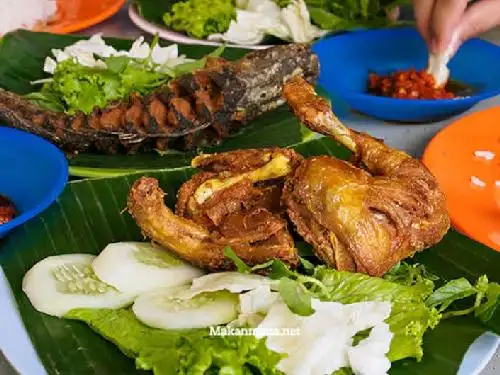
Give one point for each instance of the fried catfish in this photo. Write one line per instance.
(191, 111)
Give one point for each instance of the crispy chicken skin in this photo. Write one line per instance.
(363, 220)
(234, 201)
(236, 183)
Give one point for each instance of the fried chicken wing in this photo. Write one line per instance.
(360, 219)
(234, 201)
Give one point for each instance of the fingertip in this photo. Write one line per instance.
(433, 45)
(440, 45)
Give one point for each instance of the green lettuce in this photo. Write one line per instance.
(337, 15)
(75, 87)
(169, 352)
(200, 18)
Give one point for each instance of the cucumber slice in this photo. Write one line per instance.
(164, 309)
(61, 283)
(138, 267)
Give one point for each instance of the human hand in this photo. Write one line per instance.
(445, 24)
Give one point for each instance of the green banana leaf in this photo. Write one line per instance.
(22, 55)
(89, 215)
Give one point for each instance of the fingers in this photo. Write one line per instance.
(446, 17)
(480, 17)
(423, 14)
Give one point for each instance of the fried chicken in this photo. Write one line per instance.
(234, 201)
(360, 219)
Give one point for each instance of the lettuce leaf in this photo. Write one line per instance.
(347, 287)
(168, 352)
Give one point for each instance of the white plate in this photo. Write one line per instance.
(17, 347)
(176, 37)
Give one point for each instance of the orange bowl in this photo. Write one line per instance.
(465, 158)
(75, 15)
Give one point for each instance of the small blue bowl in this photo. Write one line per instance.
(347, 59)
(33, 173)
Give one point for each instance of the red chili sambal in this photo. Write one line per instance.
(408, 84)
(7, 210)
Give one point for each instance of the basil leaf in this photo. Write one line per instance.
(295, 295)
(280, 270)
(308, 266)
(240, 265)
(452, 291)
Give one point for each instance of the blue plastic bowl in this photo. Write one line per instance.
(347, 59)
(33, 173)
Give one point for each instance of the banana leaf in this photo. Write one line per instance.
(22, 55)
(89, 215)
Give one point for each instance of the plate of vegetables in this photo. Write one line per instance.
(257, 24)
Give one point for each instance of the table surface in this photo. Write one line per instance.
(410, 138)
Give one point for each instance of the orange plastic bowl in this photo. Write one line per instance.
(77, 15)
(465, 158)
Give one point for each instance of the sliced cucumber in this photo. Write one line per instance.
(61, 283)
(164, 309)
(138, 267)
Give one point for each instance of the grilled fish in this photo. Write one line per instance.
(193, 110)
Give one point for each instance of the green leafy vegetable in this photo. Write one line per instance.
(296, 296)
(326, 20)
(443, 297)
(240, 265)
(343, 371)
(346, 15)
(410, 274)
(282, 3)
(179, 351)
(347, 287)
(200, 18)
(308, 266)
(47, 99)
(188, 67)
(262, 266)
(487, 310)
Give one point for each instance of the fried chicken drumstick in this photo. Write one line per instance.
(234, 201)
(360, 219)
